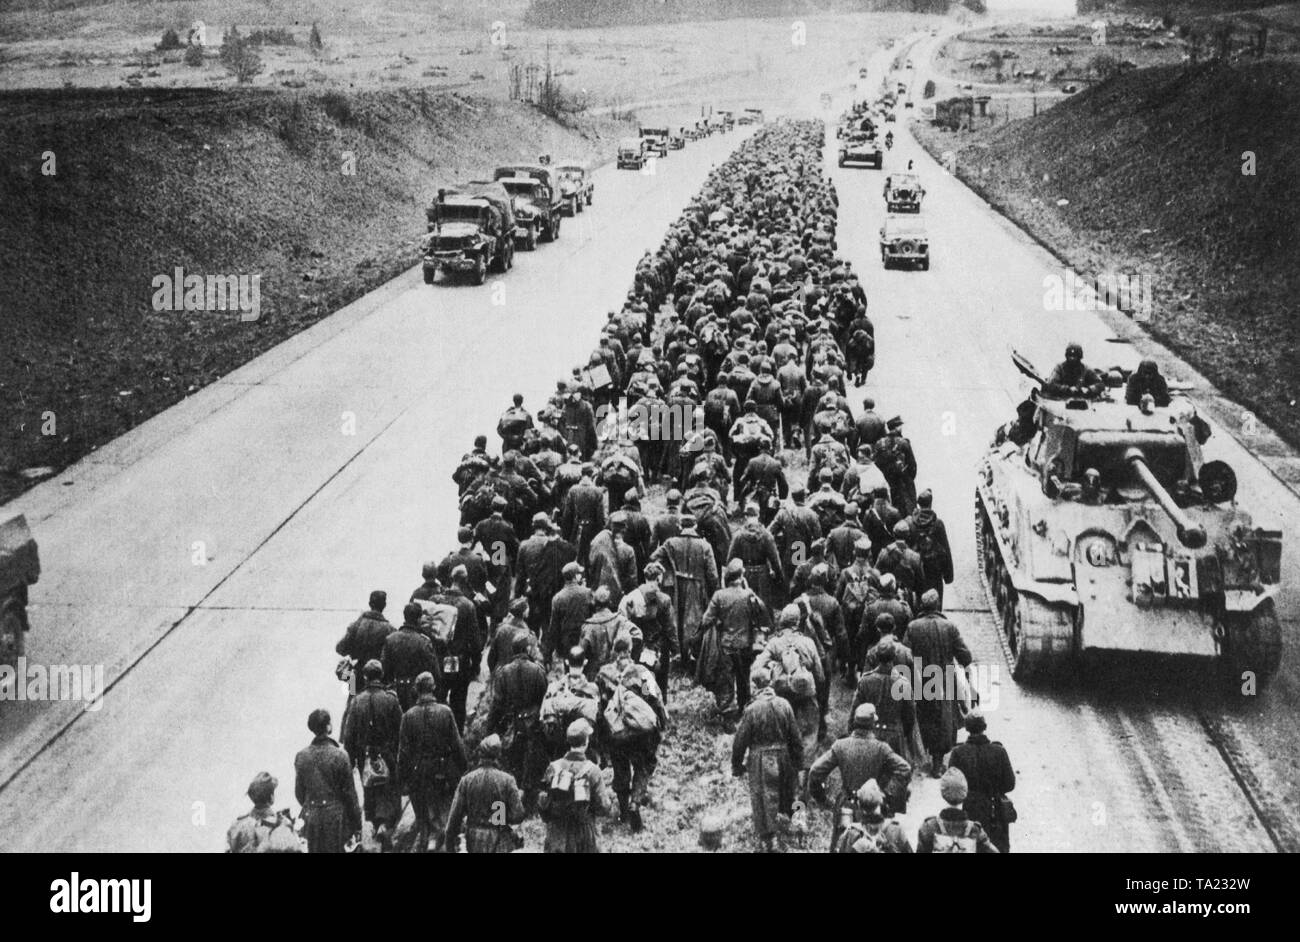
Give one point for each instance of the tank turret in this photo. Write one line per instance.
(1102, 527)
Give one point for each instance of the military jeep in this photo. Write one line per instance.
(903, 241)
(576, 187)
(903, 193)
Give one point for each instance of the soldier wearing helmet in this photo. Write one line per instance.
(1073, 378)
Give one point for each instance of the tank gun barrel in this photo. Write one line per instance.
(1190, 534)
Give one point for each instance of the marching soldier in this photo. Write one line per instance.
(486, 806)
(430, 761)
(325, 789)
(573, 794)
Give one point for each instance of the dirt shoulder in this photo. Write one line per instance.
(321, 196)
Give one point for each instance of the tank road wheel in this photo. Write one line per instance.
(1253, 645)
(1041, 637)
(11, 634)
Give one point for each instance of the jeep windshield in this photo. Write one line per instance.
(904, 229)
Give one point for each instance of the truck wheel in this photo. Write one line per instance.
(577, 205)
(590, 194)
(555, 227)
(480, 271)
(925, 264)
(530, 240)
(11, 634)
(510, 255)
(429, 275)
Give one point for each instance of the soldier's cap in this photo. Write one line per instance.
(498, 503)
(261, 791)
(798, 492)
(490, 747)
(862, 547)
(735, 569)
(888, 582)
(925, 498)
(632, 497)
(885, 650)
(373, 669)
(674, 496)
(902, 529)
(541, 519)
(429, 570)
(688, 521)
(851, 509)
(751, 510)
(588, 468)
(825, 474)
(521, 643)
(602, 595)
(318, 721)
(465, 534)
(574, 450)
(519, 607)
(480, 441)
(930, 601)
(895, 423)
(953, 786)
(765, 365)
(864, 717)
(509, 458)
(577, 733)
(864, 451)
(789, 617)
(881, 491)
(460, 572)
(570, 569)
(868, 403)
(653, 570)
(617, 520)
(411, 613)
(975, 722)
(760, 679)
(869, 797)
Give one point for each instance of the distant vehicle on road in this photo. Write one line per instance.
(755, 115)
(677, 140)
(536, 200)
(471, 231)
(20, 566)
(576, 187)
(903, 193)
(861, 148)
(655, 141)
(1069, 89)
(909, 63)
(903, 241)
(862, 73)
(631, 154)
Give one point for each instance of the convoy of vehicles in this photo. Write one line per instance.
(903, 193)
(631, 154)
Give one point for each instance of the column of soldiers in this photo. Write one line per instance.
(736, 345)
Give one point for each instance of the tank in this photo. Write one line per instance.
(1100, 527)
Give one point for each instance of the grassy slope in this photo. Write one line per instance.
(1151, 164)
(214, 183)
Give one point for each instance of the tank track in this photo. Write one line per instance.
(1037, 638)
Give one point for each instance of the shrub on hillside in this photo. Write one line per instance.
(314, 42)
(170, 40)
(239, 57)
(271, 37)
(194, 55)
(928, 91)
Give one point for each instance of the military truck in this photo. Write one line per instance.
(631, 154)
(903, 193)
(471, 231)
(576, 188)
(20, 566)
(904, 241)
(1101, 528)
(655, 141)
(536, 200)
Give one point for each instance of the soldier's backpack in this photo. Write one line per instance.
(629, 715)
(513, 423)
(567, 792)
(926, 545)
(857, 591)
(563, 705)
(274, 835)
(835, 458)
(438, 620)
(856, 839)
(963, 843)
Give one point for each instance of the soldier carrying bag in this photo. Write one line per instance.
(374, 771)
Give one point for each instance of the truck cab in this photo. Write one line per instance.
(535, 199)
(655, 141)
